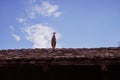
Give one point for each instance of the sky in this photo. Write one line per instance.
(77, 23)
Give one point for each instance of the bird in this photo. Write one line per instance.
(53, 41)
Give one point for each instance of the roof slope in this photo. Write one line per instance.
(63, 56)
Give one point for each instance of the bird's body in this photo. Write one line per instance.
(53, 41)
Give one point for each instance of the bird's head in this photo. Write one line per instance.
(54, 33)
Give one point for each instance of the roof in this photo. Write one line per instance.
(61, 56)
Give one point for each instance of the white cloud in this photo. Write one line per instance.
(17, 38)
(57, 14)
(31, 15)
(40, 35)
(21, 20)
(44, 9)
(31, 1)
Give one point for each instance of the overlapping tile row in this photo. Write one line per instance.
(42, 54)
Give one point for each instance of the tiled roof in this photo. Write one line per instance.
(62, 56)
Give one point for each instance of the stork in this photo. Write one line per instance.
(53, 41)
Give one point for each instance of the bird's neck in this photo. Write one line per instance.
(53, 35)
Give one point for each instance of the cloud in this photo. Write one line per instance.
(21, 20)
(31, 1)
(40, 35)
(44, 9)
(57, 14)
(17, 38)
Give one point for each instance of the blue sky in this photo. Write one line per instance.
(78, 23)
